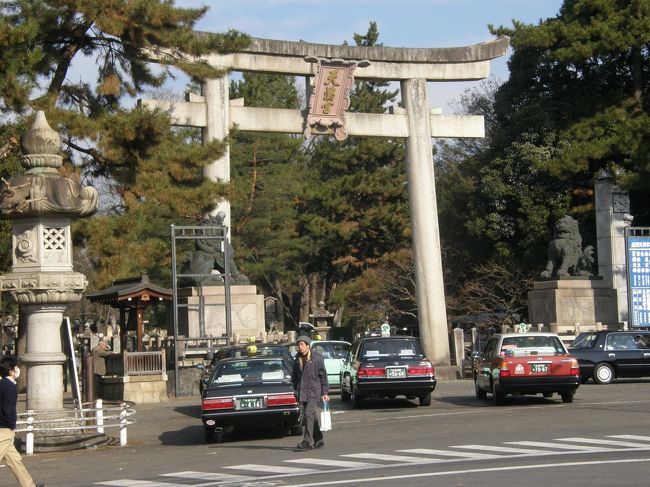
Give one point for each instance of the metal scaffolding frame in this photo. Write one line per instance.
(204, 232)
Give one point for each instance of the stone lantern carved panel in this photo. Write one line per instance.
(42, 245)
(26, 247)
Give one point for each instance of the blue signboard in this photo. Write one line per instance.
(638, 264)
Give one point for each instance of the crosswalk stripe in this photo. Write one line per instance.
(330, 463)
(447, 453)
(270, 468)
(631, 437)
(135, 483)
(627, 444)
(559, 446)
(500, 449)
(191, 474)
(388, 458)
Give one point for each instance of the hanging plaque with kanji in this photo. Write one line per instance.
(330, 97)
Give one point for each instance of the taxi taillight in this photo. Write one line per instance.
(281, 400)
(218, 403)
(575, 367)
(365, 371)
(421, 370)
(504, 369)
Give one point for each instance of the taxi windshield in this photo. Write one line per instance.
(251, 371)
(531, 345)
(391, 348)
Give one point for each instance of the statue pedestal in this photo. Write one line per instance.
(570, 301)
(247, 311)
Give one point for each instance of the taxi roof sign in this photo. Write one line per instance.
(385, 330)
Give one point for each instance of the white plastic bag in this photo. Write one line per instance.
(325, 417)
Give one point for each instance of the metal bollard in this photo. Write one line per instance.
(123, 424)
(29, 438)
(99, 415)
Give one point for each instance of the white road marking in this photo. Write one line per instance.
(631, 437)
(625, 444)
(464, 472)
(136, 483)
(446, 453)
(389, 458)
(191, 474)
(270, 468)
(500, 449)
(560, 446)
(330, 463)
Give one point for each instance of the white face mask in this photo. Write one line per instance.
(16, 372)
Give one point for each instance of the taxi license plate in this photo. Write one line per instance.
(399, 372)
(539, 368)
(250, 403)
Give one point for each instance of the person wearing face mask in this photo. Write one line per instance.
(8, 398)
(311, 387)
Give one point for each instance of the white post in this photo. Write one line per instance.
(430, 292)
(99, 415)
(123, 424)
(29, 438)
(217, 100)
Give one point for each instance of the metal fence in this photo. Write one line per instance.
(136, 363)
(90, 417)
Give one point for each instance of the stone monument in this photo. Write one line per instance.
(41, 204)
(570, 293)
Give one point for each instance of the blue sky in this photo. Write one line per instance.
(402, 23)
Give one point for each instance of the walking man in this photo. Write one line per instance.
(311, 387)
(8, 398)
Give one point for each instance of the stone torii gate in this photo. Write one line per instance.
(216, 114)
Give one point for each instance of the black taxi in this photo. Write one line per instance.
(238, 351)
(387, 367)
(606, 355)
(249, 392)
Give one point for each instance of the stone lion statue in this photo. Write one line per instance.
(566, 256)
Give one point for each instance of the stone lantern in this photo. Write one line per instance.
(41, 205)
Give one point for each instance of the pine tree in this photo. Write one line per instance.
(269, 171)
(149, 175)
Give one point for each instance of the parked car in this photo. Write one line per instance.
(334, 353)
(525, 363)
(387, 367)
(606, 355)
(250, 392)
(237, 351)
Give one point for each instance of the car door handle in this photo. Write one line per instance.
(612, 354)
(646, 354)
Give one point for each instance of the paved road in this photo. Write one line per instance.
(603, 438)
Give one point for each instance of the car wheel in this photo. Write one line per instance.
(603, 373)
(212, 436)
(357, 399)
(547, 394)
(497, 396)
(345, 395)
(425, 399)
(480, 393)
(567, 397)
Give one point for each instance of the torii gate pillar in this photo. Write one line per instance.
(217, 126)
(429, 288)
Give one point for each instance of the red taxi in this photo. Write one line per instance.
(525, 363)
